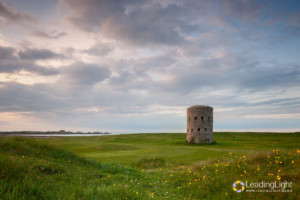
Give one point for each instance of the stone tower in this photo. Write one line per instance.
(200, 124)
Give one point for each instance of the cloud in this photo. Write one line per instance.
(154, 59)
(234, 71)
(134, 22)
(11, 15)
(84, 74)
(98, 49)
(39, 54)
(294, 19)
(9, 63)
(262, 78)
(28, 98)
(43, 34)
(16, 66)
(7, 53)
(245, 10)
(292, 26)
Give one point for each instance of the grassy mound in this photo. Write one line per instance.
(36, 170)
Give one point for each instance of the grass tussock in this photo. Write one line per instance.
(150, 163)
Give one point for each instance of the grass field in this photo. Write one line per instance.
(148, 166)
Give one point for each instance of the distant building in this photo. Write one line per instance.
(200, 124)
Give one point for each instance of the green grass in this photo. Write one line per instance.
(147, 166)
(125, 149)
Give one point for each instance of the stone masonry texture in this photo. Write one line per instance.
(200, 124)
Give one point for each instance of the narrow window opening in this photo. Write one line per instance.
(201, 118)
(198, 129)
(208, 118)
(192, 130)
(205, 129)
(195, 118)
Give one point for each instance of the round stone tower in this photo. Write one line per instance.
(200, 124)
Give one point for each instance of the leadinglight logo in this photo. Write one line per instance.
(275, 186)
(238, 184)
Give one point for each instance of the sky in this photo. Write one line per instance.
(137, 65)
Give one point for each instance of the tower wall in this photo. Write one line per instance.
(200, 124)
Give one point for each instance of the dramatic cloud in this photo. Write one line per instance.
(136, 65)
(7, 53)
(137, 22)
(11, 15)
(39, 54)
(9, 63)
(99, 49)
(17, 66)
(43, 34)
(85, 74)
